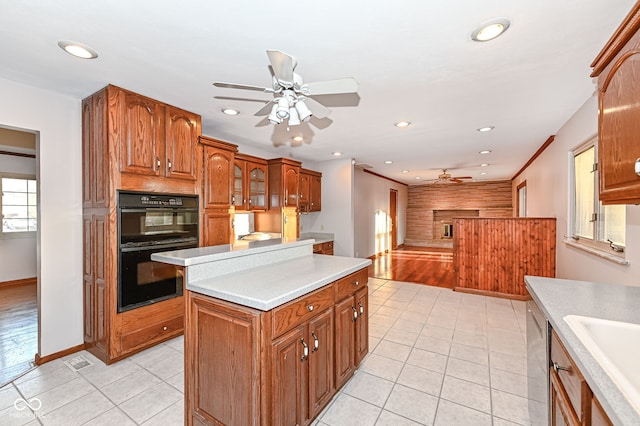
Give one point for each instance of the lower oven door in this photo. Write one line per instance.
(142, 281)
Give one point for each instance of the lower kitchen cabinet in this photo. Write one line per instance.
(244, 366)
(323, 248)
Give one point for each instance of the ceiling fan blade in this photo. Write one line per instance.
(242, 86)
(282, 65)
(317, 109)
(328, 87)
(231, 98)
(265, 110)
(461, 177)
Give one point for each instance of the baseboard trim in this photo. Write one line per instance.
(492, 293)
(42, 360)
(19, 283)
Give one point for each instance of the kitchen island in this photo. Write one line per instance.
(585, 378)
(272, 331)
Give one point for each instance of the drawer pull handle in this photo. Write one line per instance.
(355, 314)
(557, 367)
(361, 308)
(305, 350)
(356, 283)
(310, 308)
(158, 162)
(165, 328)
(315, 341)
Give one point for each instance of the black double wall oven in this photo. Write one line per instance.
(150, 223)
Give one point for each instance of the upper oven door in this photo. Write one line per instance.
(155, 224)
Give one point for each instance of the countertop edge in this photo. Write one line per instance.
(617, 407)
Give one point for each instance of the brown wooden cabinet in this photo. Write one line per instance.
(284, 185)
(310, 191)
(217, 210)
(250, 183)
(249, 367)
(323, 248)
(618, 71)
(129, 142)
(572, 401)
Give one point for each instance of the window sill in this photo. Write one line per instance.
(604, 255)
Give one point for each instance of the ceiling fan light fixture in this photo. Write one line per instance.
(303, 111)
(297, 139)
(78, 50)
(273, 117)
(490, 29)
(294, 119)
(282, 108)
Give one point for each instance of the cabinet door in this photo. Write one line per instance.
(257, 184)
(141, 134)
(182, 131)
(217, 227)
(561, 412)
(362, 325)
(239, 184)
(320, 362)
(218, 178)
(315, 194)
(288, 366)
(305, 182)
(291, 185)
(344, 341)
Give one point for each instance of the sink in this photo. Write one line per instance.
(616, 347)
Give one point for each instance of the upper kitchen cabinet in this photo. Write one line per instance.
(310, 191)
(250, 183)
(284, 182)
(618, 70)
(155, 139)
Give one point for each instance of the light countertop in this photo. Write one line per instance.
(319, 237)
(558, 298)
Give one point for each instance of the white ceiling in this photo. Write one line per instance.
(414, 60)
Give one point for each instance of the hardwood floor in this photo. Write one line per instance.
(422, 265)
(18, 330)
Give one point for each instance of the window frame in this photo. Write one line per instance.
(589, 243)
(22, 234)
(521, 206)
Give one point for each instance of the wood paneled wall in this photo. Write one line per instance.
(492, 256)
(491, 199)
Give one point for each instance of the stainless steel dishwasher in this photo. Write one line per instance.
(537, 364)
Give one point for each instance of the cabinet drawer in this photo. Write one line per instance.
(154, 332)
(568, 375)
(287, 316)
(348, 285)
(327, 248)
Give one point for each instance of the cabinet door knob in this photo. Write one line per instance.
(355, 314)
(315, 341)
(310, 308)
(165, 328)
(305, 350)
(356, 283)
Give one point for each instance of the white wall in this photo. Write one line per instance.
(59, 170)
(548, 195)
(372, 196)
(337, 205)
(17, 255)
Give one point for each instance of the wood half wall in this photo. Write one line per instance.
(492, 256)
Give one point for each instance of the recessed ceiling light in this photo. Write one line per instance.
(388, 162)
(484, 164)
(418, 177)
(230, 111)
(78, 50)
(405, 171)
(337, 154)
(402, 124)
(486, 129)
(486, 151)
(483, 173)
(490, 29)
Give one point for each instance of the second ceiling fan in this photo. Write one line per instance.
(293, 102)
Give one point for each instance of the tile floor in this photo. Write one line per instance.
(436, 357)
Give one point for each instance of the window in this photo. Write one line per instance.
(522, 199)
(19, 205)
(594, 224)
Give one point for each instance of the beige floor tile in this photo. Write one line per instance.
(387, 418)
(64, 394)
(412, 404)
(368, 388)
(113, 417)
(429, 360)
(177, 381)
(433, 344)
(509, 382)
(408, 326)
(147, 404)
(385, 368)
(167, 367)
(129, 386)
(100, 374)
(507, 362)
(452, 414)
(510, 407)
(469, 353)
(469, 371)
(402, 337)
(79, 411)
(44, 382)
(8, 396)
(392, 350)
(172, 415)
(467, 394)
(421, 379)
(153, 355)
(343, 412)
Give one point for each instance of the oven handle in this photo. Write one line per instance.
(156, 247)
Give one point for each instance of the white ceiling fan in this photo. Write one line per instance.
(445, 177)
(293, 100)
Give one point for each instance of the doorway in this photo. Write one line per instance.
(18, 252)
(393, 218)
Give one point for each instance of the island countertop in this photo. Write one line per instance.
(558, 298)
(261, 276)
